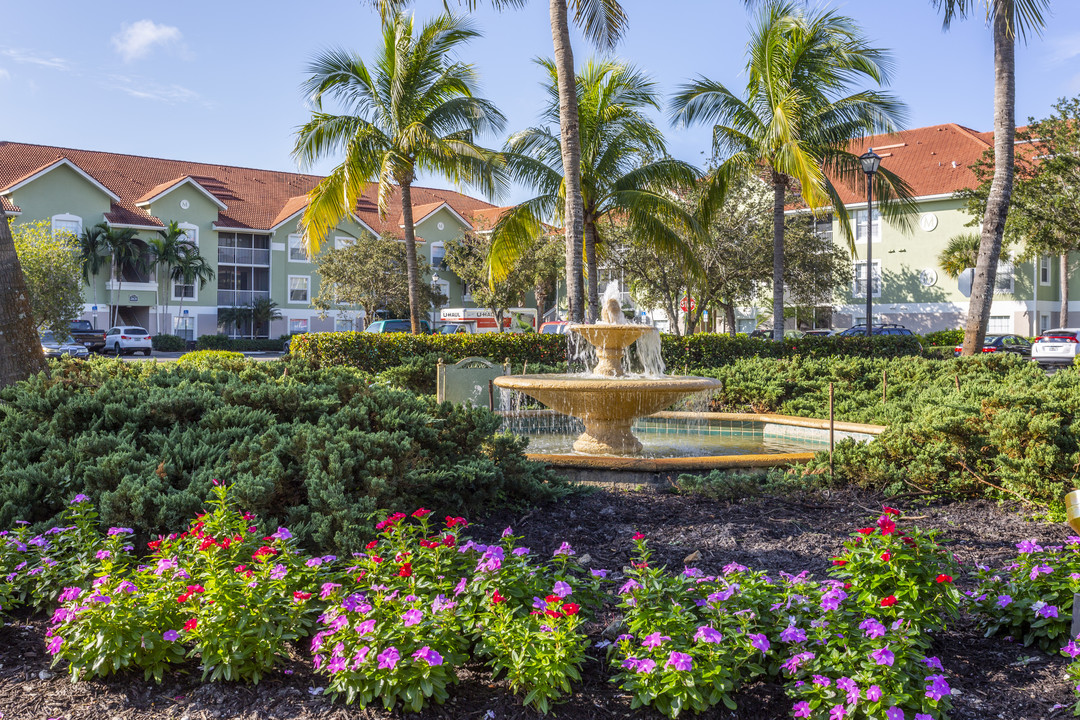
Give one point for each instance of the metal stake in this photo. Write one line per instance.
(830, 430)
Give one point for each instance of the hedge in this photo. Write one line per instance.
(164, 342)
(224, 342)
(316, 449)
(377, 352)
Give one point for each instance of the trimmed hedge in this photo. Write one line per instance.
(316, 449)
(224, 342)
(377, 352)
(168, 343)
(213, 342)
(944, 337)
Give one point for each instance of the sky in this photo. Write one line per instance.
(219, 81)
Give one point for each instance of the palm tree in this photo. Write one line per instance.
(1006, 17)
(127, 252)
(959, 254)
(619, 177)
(20, 347)
(412, 109)
(94, 251)
(165, 252)
(191, 268)
(603, 22)
(797, 118)
(234, 316)
(263, 312)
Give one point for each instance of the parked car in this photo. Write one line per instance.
(127, 340)
(554, 327)
(884, 329)
(817, 333)
(453, 329)
(1003, 343)
(766, 334)
(84, 333)
(389, 326)
(54, 348)
(1056, 347)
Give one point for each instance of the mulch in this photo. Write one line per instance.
(991, 677)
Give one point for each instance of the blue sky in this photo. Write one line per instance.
(218, 81)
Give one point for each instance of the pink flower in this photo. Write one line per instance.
(429, 656)
(836, 713)
(883, 656)
(886, 525)
(801, 709)
(654, 640)
(679, 661)
(708, 635)
(54, 645)
(938, 687)
(411, 617)
(388, 658)
(873, 693)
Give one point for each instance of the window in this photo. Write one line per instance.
(191, 233)
(466, 293)
(859, 216)
(298, 288)
(1044, 322)
(859, 285)
(999, 324)
(1004, 281)
(822, 227)
(67, 223)
(342, 241)
(438, 255)
(298, 249)
(297, 326)
(443, 287)
(184, 327)
(183, 291)
(1044, 270)
(343, 324)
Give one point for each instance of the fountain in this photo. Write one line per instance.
(606, 399)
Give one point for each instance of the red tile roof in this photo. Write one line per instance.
(256, 199)
(8, 206)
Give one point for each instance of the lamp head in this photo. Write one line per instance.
(434, 278)
(1072, 510)
(871, 161)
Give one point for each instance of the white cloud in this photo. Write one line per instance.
(144, 90)
(1063, 49)
(25, 57)
(135, 40)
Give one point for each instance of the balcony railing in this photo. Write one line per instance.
(239, 298)
(243, 256)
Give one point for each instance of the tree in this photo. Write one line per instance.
(413, 109)
(368, 274)
(1006, 18)
(128, 252)
(620, 175)
(797, 118)
(263, 312)
(191, 268)
(52, 267)
(94, 251)
(165, 251)
(960, 253)
(20, 347)
(466, 257)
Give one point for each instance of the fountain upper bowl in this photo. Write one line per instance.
(611, 335)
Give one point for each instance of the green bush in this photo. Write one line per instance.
(213, 342)
(417, 374)
(213, 359)
(944, 337)
(317, 449)
(168, 343)
(256, 344)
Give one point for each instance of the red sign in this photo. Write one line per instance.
(688, 307)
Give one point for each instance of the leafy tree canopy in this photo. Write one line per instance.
(52, 265)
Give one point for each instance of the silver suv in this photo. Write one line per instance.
(1056, 347)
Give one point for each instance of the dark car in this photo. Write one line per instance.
(83, 333)
(1003, 343)
(885, 329)
(817, 333)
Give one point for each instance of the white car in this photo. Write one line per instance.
(127, 340)
(1056, 347)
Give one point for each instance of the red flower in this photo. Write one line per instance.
(886, 556)
(638, 536)
(865, 531)
(196, 589)
(206, 544)
(888, 527)
(496, 598)
(421, 513)
(839, 563)
(889, 601)
(406, 570)
(909, 542)
(571, 608)
(240, 568)
(553, 613)
(263, 552)
(553, 598)
(183, 598)
(449, 540)
(297, 595)
(944, 578)
(376, 559)
(371, 544)
(889, 510)
(455, 521)
(190, 625)
(429, 544)
(154, 545)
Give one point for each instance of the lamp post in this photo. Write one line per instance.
(870, 163)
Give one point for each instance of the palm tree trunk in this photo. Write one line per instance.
(571, 155)
(1063, 321)
(591, 269)
(114, 308)
(411, 265)
(997, 203)
(779, 187)
(20, 349)
(729, 317)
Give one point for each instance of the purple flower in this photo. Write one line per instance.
(933, 662)
(491, 560)
(894, 713)
(872, 628)
(759, 641)
(170, 636)
(1040, 569)
(801, 709)
(98, 597)
(629, 586)
(708, 635)
(520, 551)
(507, 532)
(442, 603)
(598, 573)
(388, 658)
(1047, 611)
(460, 587)
(564, 549)
(793, 634)
(328, 589)
(411, 617)
(80, 498)
(314, 562)
(428, 655)
(1071, 649)
(873, 693)
(883, 656)
(822, 681)
(938, 687)
(365, 628)
(278, 572)
(70, 593)
(126, 586)
(102, 554)
(1028, 546)
(654, 640)
(356, 603)
(1004, 601)
(836, 713)
(679, 661)
(120, 531)
(793, 662)
(734, 568)
(643, 666)
(923, 716)
(562, 589)
(165, 564)
(832, 599)
(54, 644)
(691, 572)
(360, 656)
(282, 534)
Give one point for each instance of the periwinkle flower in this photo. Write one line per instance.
(759, 641)
(801, 709)
(1028, 546)
(365, 628)
(872, 628)
(629, 586)
(933, 662)
(938, 687)
(278, 572)
(360, 657)
(80, 498)
(54, 644)
(282, 534)
(598, 573)
(679, 661)
(507, 532)
(793, 634)
(836, 713)
(562, 589)
(708, 635)
(883, 656)
(564, 549)
(126, 586)
(873, 693)
(519, 551)
(328, 589)
(894, 713)
(654, 640)
(411, 617)
(428, 655)
(822, 681)
(170, 636)
(460, 587)
(70, 593)
(388, 658)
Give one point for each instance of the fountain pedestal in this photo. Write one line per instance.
(608, 438)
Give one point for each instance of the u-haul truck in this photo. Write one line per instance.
(482, 320)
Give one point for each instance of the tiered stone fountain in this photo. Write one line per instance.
(606, 400)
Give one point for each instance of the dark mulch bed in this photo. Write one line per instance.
(993, 678)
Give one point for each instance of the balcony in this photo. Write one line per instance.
(240, 298)
(243, 256)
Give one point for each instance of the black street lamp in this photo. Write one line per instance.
(870, 163)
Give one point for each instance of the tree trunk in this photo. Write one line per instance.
(119, 284)
(20, 348)
(540, 293)
(997, 204)
(672, 312)
(1063, 321)
(571, 156)
(411, 265)
(591, 270)
(729, 317)
(779, 187)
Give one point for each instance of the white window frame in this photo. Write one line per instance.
(296, 242)
(1005, 280)
(431, 255)
(295, 328)
(466, 296)
(859, 274)
(67, 218)
(859, 216)
(289, 289)
(176, 285)
(1044, 270)
(344, 321)
(191, 233)
(343, 241)
(999, 325)
(443, 287)
(185, 320)
(1044, 322)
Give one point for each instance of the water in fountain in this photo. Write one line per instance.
(641, 360)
